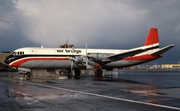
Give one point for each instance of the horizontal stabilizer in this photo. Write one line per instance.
(162, 50)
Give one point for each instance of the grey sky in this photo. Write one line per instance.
(120, 24)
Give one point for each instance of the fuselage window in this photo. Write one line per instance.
(21, 53)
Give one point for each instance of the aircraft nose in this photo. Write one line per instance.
(7, 60)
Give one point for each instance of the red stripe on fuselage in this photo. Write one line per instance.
(17, 63)
(146, 57)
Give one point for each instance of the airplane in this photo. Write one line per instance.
(70, 58)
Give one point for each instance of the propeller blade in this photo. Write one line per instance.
(86, 63)
(72, 66)
(86, 57)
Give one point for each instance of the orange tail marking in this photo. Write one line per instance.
(152, 37)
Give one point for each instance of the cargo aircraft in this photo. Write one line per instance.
(70, 58)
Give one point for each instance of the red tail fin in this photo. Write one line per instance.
(152, 37)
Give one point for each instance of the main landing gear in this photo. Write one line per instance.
(98, 73)
(77, 73)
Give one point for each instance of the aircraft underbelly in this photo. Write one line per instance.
(50, 64)
(66, 64)
(123, 63)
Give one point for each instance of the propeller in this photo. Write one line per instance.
(86, 57)
(72, 60)
(87, 62)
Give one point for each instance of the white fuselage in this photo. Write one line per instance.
(62, 57)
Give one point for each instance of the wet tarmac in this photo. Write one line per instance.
(123, 90)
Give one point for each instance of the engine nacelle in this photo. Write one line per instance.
(78, 59)
(98, 56)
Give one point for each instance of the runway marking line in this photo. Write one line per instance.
(104, 96)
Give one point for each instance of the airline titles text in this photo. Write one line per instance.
(69, 51)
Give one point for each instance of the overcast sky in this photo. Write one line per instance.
(120, 24)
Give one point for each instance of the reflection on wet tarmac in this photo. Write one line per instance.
(157, 87)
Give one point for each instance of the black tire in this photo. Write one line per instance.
(77, 73)
(99, 72)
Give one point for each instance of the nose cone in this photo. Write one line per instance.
(8, 60)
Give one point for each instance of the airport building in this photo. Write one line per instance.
(2, 58)
(170, 66)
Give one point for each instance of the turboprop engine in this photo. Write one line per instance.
(97, 56)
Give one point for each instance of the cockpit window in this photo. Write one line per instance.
(18, 53)
(13, 53)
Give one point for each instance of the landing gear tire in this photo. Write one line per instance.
(98, 73)
(69, 74)
(77, 74)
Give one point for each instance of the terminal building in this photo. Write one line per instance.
(170, 66)
(3, 56)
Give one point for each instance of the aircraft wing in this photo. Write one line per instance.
(122, 55)
(116, 57)
(132, 52)
(125, 54)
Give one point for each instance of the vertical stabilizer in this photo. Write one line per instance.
(152, 37)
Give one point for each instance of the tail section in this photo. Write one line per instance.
(152, 37)
(162, 50)
(153, 41)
